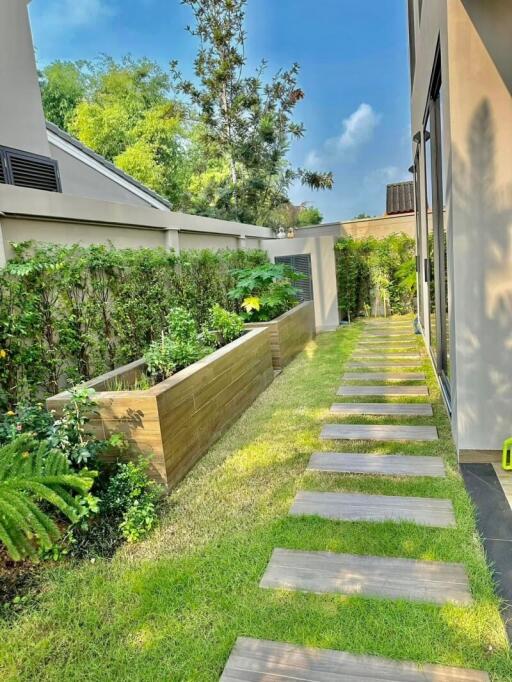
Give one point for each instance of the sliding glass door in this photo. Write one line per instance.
(436, 273)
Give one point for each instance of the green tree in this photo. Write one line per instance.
(245, 120)
(63, 86)
(123, 110)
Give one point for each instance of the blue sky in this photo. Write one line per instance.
(354, 71)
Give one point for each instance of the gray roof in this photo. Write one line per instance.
(400, 198)
(104, 162)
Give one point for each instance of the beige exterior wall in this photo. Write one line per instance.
(27, 214)
(476, 56)
(22, 122)
(323, 267)
(369, 227)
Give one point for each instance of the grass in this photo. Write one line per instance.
(173, 606)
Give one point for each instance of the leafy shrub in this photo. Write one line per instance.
(131, 498)
(265, 292)
(32, 472)
(373, 271)
(224, 326)
(68, 433)
(69, 313)
(178, 347)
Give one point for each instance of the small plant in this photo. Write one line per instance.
(32, 473)
(265, 292)
(223, 326)
(177, 348)
(132, 498)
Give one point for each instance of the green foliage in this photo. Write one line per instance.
(224, 326)
(63, 86)
(288, 215)
(265, 292)
(132, 498)
(68, 433)
(72, 313)
(378, 271)
(31, 472)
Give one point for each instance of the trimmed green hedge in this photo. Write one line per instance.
(72, 312)
(376, 270)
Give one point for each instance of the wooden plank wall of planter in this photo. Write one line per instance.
(180, 418)
(289, 333)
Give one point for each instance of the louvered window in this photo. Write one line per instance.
(29, 170)
(300, 263)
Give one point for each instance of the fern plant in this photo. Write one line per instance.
(34, 478)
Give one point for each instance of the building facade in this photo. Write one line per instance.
(461, 114)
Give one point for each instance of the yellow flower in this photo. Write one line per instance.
(10, 413)
(25, 454)
(3, 353)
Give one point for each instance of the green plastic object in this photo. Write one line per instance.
(506, 461)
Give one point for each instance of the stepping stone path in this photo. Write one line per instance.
(258, 659)
(384, 409)
(358, 507)
(383, 363)
(377, 465)
(384, 376)
(395, 391)
(383, 432)
(371, 576)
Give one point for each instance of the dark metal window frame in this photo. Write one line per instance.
(7, 153)
(433, 111)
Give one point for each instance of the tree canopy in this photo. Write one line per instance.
(216, 145)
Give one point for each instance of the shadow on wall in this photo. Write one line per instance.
(492, 20)
(483, 250)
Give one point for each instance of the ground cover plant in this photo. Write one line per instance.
(173, 606)
(376, 271)
(70, 313)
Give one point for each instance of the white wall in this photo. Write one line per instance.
(22, 123)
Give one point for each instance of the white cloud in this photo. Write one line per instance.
(358, 127)
(67, 15)
(357, 130)
(386, 175)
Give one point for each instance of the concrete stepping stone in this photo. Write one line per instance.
(384, 376)
(423, 511)
(380, 432)
(377, 465)
(383, 363)
(386, 334)
(368, 357)
(364, 341)
(258, 660)
(349, 574)
(396, 391)
(383, 409)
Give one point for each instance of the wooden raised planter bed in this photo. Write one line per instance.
(289, 333)
(180, 418)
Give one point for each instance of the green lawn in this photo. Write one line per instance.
(172, 607)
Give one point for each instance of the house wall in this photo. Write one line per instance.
(80, 179)
(477, 113)
(368, 227)
(22, 122)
